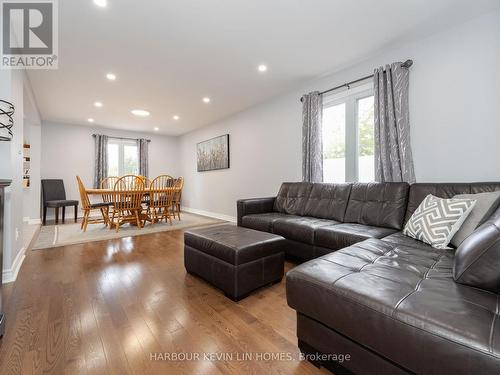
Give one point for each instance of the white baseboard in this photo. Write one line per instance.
(215, 215)
(32, 221)
(9, 275)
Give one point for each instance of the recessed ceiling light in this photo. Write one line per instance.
(156, 129)
(111, 76)
(206, 99)
(140, 112)
(101, 3)
(90, 120)
(98, 104)
(175, 117)
(262, 68)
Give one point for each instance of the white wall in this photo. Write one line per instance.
(265, 145)
(454, 98)
(68, 151)
(12, 88)
(32, 136)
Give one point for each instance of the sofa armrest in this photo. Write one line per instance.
(254, 206)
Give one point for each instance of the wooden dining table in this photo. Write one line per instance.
(112, 191)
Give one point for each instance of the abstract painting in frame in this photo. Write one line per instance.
(213, 154)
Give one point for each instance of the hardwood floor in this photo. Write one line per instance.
(105, 307)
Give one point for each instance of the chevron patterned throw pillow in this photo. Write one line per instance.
(437, 220)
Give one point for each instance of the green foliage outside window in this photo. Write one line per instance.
(335, 148)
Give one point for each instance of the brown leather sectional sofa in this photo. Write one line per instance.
(394, 304)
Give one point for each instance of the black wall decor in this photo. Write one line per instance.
(6, 121)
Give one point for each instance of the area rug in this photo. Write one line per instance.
(69, 234)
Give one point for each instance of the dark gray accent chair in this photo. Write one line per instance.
(54, 196)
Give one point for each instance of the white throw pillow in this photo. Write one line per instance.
(437, 220)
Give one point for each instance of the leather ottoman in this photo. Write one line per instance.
(234, 259)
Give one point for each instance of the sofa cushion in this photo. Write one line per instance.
(328, 201)
(300, 229)
(292, 197)
(387, 297)
(343, 235)
(477, 259)
(378, 204)
(61, 203)
(263, 222)
(419, 191)
(486, 204)
(253, 206)
(399, 238)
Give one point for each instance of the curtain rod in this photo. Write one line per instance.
(130, 139)
(406, 64)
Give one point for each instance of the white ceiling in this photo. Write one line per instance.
(168, 54)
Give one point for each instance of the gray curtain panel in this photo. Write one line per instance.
(312, 142)
(142, 147)
(393, 156)
(101, 159)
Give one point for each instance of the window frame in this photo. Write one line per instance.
(121, 153)
(350, 97)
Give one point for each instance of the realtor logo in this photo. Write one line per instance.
(29, 34)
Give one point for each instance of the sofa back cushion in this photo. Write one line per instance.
(419, 191)
(477, 259)
(292, 197)
(378, 204)
(328, 201)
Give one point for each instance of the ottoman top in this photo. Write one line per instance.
(232, 244)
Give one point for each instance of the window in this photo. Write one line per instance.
(348, 136)
(122, 157)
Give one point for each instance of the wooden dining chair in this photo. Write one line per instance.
(176, 204)
(146, 180)
(127, 196)
(108, 183)
(87, 208)
(161, 195)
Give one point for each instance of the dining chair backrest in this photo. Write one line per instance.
(128, 192)
(145, 198)
(84, 198)
(108, 183)
(146, 180)
(161, 191)
(129, 181)
(162, 181)
(179, 184)
(53, 190)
